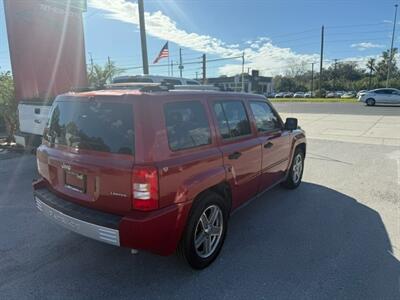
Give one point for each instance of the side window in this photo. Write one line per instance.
(172, 81)
(232, 119)
(191, 82)
(187, 125)
(265, 118)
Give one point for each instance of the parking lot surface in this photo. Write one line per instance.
(336, 236)
(337, 108)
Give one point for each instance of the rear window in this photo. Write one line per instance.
(99, 126)
(187, 125)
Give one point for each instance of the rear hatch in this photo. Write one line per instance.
(88, 151)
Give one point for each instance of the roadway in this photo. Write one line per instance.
(337, 108)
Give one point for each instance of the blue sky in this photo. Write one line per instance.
(276, 35)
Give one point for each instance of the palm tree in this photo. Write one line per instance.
(98, 76)
(371, 67)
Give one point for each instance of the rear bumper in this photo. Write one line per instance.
(96, 225)
(158, 231)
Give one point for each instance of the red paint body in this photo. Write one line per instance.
(182, 175)
(47, 48)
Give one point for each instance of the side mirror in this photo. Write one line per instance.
(291, 124)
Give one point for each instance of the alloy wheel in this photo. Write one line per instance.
(208, 231)
(297, 168)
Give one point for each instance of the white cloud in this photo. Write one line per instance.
(366, 45)
(260, 53)
(163, 27)
(270, 60)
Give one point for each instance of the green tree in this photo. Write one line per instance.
(371, 67)
(382, 66)
(99, 76)
(8, 104)
(284, 84)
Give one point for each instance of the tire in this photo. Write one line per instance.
(295, 175)
(370, 102)
(200, 257)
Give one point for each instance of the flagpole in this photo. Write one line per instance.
(169, 74)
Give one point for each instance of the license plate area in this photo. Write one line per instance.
(75, 181)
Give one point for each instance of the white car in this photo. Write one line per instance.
(298, 95)
(361, 93)
(309, 95)
(381, 96)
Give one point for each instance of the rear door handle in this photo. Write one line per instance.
(235, 155)
(268, 145)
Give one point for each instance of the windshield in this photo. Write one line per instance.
(99, 126)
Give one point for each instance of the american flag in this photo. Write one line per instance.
(163, 53)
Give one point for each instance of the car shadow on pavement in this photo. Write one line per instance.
(313, 242)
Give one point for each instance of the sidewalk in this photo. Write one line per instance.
(379, 130)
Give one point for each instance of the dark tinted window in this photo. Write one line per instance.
(383, 91)
(192, 82)
(99, 126)
(232, 119)
(187, 125)
(172, 81)
(265, 118)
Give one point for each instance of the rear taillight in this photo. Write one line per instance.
(144, 188)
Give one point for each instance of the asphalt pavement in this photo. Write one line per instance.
(337, 108)
(336, 236)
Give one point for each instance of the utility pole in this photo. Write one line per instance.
(391, 47)
(204, 69)
(91, 63)
(172, 68)
(109, 66)
(197, 75)
(321, 61)
(243, 72)
(312, 79)
(334, 75)
(143, 38)
(180, 62)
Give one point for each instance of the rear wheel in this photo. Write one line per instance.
(370, 102)
(205, 231)
(296, 170)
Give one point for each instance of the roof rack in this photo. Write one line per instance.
(196, 87)
(141, 86)
(147, 87)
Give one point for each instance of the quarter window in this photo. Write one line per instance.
(187, 125)
(265, 118)
(232, 119)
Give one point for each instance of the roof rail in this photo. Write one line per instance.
(197, 87)
(141, 86)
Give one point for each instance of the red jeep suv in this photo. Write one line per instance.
(162, 170)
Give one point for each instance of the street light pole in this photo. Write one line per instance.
(321, 60)
(143, 38)
(312, 79)
(391, 47)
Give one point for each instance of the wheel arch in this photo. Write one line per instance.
(303, 147)
(223, 189)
